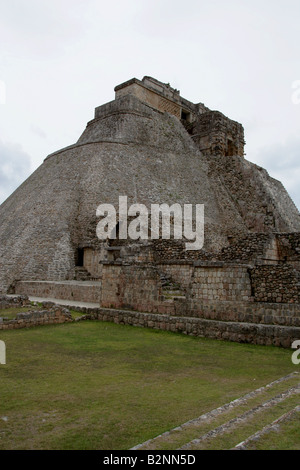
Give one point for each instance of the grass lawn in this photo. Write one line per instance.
(286, 437)
(94, 385)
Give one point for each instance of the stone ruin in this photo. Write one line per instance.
(46, 314)
(156, 147)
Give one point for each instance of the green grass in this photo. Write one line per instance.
(178, 438)
(94, 385)
(76, 314)
(11, 312)
(286, 437)
(233, 437)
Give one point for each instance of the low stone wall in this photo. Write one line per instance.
(83, 291)
(232, 331)
(54, 315)
(7, 301)
(250, 312)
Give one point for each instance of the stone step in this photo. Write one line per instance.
(232, 424)
(171, 287)
(176, 298)
(173, 298)
(172, 292)
(81, 274)
(274, 426)
(229, 418)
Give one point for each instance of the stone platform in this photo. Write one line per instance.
(78, 291)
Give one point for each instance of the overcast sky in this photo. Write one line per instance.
(60, 59)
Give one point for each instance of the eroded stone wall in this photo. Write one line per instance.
(215, 134)
(249, 312)
(7, 301)
(51, 316)
(280, 283)
(289, 248)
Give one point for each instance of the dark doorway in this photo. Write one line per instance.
(184, 116)
(186, 121)
(231, 149)
(79, 257)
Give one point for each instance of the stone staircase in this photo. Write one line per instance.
(189, 126)
(238, 425)
(81, 274)
(171, 290)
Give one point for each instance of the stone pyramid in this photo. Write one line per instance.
(153, 146)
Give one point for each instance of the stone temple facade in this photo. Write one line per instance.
(154, 146)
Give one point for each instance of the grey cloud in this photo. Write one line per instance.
(14, 168)
(282, 155)
(42, 28)
(38, 131)
(282, 160)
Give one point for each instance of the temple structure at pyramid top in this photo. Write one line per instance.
(213, 132)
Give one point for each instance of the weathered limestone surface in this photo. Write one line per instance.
(54, 210)
(84, 291)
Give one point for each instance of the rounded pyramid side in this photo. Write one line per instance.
(54, 210)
